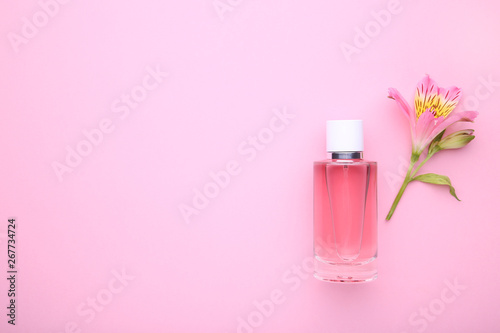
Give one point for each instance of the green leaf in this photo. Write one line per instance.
(433, 178)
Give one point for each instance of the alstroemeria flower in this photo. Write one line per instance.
(431, 115)
(432, 112)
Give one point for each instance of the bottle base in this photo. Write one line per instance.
(345, 272)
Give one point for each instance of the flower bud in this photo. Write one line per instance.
(457, 139)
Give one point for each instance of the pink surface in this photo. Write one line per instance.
(102, 245)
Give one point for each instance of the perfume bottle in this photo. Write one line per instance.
(345, 207)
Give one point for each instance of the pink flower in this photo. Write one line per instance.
(431, 116)
(433, 112)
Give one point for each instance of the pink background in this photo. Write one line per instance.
(118, 210)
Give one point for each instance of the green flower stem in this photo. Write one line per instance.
(407, 180)
(420, 165)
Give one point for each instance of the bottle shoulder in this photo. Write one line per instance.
(344, 162)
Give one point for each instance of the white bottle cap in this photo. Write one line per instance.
(344, 135)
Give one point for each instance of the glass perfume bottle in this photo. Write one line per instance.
(345, 208)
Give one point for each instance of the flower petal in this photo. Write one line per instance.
(394, 94)
(455, 117)
(441, 101)
(449, 99)
(423, 129)
(425, 94)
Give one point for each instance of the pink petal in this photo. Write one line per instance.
(394, 94)
(450, 98)
(423, 129)
(425, 94)
(453, 118)
(441, 101)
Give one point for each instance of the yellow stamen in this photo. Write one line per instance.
(437, 104)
